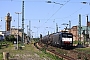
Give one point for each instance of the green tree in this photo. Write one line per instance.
(6, 38)
(10, 38)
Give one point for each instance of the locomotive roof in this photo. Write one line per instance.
(60, 32)
(57, 33)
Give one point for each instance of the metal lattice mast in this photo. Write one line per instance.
(69, 24)
(79, 28)
(56, 27)
(22, 22)
(87, 30)
(30, 30)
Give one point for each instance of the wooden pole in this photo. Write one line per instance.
(5, 55)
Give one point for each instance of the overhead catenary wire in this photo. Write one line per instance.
(71, 14)
(67, 16)
(21, 1)
(56, 12)
(44, 19)
(50, 17)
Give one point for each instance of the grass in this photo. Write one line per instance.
(28, 49)
(53, 57)
(61, 52)
(86, 50)
(2, 48)
(1, 56)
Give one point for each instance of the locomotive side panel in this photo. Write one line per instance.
(56, 40)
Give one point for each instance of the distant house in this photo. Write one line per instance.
(75, 31)
(15, 31)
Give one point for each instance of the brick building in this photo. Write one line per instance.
(88, 24)
(74, 31)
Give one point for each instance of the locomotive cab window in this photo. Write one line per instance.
(64, 35)
(67, 35)
(70, 36)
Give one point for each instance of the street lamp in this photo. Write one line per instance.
(54, 2)
(18, 28)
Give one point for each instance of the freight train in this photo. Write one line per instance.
(60, 39)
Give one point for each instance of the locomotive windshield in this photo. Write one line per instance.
(67, 35)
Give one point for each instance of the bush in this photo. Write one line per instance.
(10, 38)
(75, 42)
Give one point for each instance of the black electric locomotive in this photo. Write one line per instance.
(60, 39)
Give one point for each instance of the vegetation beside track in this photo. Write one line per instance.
(85, 50)
(55, 51)
(28, 52)
(74, 52)
(44, 48)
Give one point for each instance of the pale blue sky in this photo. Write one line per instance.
(46, 13)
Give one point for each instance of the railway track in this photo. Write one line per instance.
(61, 55)
(53, 51)
(66, 54)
